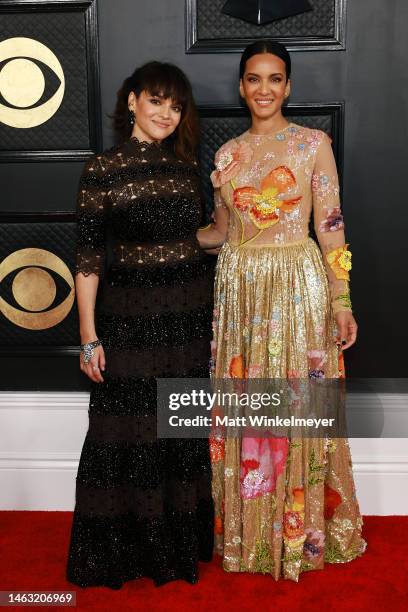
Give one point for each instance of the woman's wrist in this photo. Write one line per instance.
(88, 336)
(210, 238)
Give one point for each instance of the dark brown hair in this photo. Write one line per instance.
(265, 46)
(166, 81)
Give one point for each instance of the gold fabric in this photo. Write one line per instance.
(283, 506)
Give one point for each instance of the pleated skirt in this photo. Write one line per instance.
(282, 505)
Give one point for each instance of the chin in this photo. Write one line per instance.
(264, 113)
(159, 134)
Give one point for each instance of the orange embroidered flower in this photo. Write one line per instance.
(293, 525)
(228, 161)
(236, 368)
(264, 206)
(218, 526)
(298, 499)
(340, 262)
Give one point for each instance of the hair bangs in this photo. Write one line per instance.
(165, 81)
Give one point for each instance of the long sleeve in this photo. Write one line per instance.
(218, 200)
(91, 219)
(329, 225)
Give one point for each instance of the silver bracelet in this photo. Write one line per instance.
(88, 350)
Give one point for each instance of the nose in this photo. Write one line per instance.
(165, 111)
(264, 88)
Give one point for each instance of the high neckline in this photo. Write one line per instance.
(269, 134)
(145, 143)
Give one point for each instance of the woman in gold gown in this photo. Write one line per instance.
(282, 311)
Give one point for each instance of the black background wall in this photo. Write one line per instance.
(370, 76)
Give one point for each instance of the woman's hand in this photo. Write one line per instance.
(346, 328)
(95, 366)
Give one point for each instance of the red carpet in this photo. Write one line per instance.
(33, 547)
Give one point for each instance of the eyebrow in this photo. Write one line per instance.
(257, 75)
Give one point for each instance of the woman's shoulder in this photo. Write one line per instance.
(309, 134)
(230, 144)
(100, 162)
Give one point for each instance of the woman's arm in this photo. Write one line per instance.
(329, 228)
(213, 236)
(90, 258)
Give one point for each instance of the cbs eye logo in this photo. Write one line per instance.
(34, 289)
(24, 63)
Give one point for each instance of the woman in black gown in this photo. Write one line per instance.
(143, 505)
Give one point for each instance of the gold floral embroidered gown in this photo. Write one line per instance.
(282, 506)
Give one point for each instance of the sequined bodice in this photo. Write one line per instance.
(272, 184)
(147, 201)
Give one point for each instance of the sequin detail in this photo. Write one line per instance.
(143, 505)
(290, 511)
(263, 214)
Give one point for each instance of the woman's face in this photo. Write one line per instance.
(264, 85)
(155, 117)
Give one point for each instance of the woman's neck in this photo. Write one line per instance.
(141, 135)
(268, 126)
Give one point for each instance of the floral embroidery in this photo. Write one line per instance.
(317, 359)
(228, 161)
(217, 448)
(330, 445)
(264, 206)
(298, 499)
(314, 139)
(254, 371)
(218, 526)
(340, 262)
(263, 460)
(313, 546)
(236, 368)
(274, 347)
(315, 469)
(292, 524)
(323, 186)
(345, 300)
(316, 374)
(333, 222)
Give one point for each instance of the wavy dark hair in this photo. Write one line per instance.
(166, 81)
(265, 46)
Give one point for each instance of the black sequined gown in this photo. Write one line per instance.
(143, 505)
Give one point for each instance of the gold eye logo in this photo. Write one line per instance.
(22, 83)
(34, 289)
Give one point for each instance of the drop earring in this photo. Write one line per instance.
(131, 117)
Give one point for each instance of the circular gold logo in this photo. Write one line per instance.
(22, 83)
(34, 288)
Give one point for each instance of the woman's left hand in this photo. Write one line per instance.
(346, 328)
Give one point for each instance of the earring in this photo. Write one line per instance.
(131, 117)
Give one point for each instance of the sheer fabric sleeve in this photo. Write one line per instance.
(218, 200)
(329, 225)
(91, 220)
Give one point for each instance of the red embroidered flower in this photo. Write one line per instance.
(332, 499)
(293, 525)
